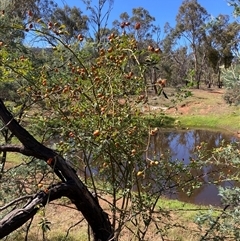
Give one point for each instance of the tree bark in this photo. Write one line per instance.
(82, 197)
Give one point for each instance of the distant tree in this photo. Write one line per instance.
(13, 38)
(72, 20)
(175, 59)
(191, 19)
(98, 18)
(139, 17)
(22, 8)
(221, 43)
(8, 35)
(140, 25)
(236, 7)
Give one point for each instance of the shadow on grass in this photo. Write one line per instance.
(160, 120)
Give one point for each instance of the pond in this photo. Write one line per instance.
(181, 146)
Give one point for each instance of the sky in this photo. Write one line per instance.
(163, 10)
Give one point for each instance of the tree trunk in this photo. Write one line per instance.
(154, 79)
(81, 197)
(219, 78)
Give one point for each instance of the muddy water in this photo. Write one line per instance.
(181, 146)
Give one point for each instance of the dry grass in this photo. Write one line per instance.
(202, 102)
(68, 224)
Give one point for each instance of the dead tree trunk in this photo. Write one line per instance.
(76, 191)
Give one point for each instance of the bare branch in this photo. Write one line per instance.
(16, 148)
(5, 125)
(18, 217)
(15, 201)
(72, 226)
(23, 136)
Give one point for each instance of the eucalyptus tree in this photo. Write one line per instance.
(70, 20)
(139, 16)
(221, 43)
(21, 8)
(236, 7)
(175, 60)
(191, 20)
(13, 38)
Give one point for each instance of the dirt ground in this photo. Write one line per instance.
(66, 223)
(202, 101)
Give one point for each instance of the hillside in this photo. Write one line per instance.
(206, 104)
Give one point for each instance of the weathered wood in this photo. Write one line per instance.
(82, 198)
(18, 217)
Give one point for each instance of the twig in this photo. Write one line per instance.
(1, 129)
(74, 225)
(214, 224)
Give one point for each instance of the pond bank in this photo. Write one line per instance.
(225, 124)
(205, 108)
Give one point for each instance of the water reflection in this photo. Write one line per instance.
(181, 145)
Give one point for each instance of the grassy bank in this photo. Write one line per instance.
(203, 109)
(230, 123)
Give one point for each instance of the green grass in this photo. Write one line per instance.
(159, 120)
(187, 211)
(227, 122)
(230, 122)
(204, 108)
(14, 158)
